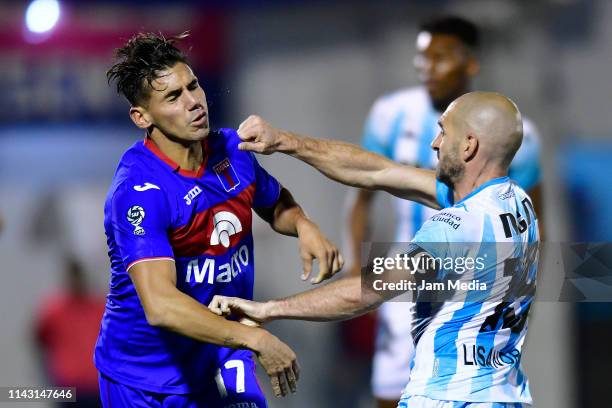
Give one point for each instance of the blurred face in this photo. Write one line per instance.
(447, 145)
(177, 105)
(444, 65)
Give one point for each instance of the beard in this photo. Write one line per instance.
(450, 171)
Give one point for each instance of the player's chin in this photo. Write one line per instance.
(199, 133)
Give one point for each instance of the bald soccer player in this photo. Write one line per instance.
(468, 350)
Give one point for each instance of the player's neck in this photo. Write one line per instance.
(471, 181)
(188, 155)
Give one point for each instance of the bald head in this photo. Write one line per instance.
(493, 119)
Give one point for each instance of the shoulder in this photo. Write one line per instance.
(224, 138)
(400, 100)
(137, 177)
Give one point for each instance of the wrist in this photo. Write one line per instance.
(256, 339)
(302, 221)
(271, 310)
(288, 142)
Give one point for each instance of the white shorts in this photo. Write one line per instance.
(394, 350)
(417, 401)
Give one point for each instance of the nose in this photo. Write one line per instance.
(435, 144)
(192, 101)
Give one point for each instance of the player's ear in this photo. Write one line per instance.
(140, 117)
(470, 147)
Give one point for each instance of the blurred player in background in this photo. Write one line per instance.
(178, 224)
(401, 127)
(469, 341)
(66, 329)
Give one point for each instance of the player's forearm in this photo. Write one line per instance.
(340, 161)
(287, 215)
(338, 300)
(184, 315)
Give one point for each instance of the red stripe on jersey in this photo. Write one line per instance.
(215, 230)
(150, 144)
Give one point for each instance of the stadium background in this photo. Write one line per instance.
(313, 67)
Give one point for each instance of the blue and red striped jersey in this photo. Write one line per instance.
(200, 219)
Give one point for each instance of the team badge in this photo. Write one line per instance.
(227, 175)
(135, 215)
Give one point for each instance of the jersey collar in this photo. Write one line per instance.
(481, 187)
(150, 144)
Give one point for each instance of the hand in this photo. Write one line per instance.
(258, 136)
(251, 313)
(314, 245)
(275, 357)
(279, 361)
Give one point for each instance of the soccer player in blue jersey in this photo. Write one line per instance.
(468, 350)
(401, 126)
(178, 224)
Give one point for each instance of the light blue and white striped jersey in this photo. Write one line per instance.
(402, 125)
(469, 349)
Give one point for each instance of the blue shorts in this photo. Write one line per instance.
(234, 386)
(417, 401)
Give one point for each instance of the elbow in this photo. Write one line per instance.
(157, 316)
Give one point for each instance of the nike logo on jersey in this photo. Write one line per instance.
(146, 186)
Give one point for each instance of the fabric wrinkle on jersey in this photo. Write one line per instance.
(444, 365)
(201, 220)
(401, 126)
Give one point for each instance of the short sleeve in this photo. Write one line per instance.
(525, 167)
(140, 221)
(444, 194)
(267, 188)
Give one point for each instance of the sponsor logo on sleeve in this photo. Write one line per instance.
(135, 215)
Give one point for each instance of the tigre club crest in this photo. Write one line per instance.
(135, 215)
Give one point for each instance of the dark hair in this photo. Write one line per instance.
(137, 64)
(464, 30)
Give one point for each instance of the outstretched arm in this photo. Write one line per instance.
(341, 299)
(342, 162)
(338, 300)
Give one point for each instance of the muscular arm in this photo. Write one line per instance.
(342, 162)
(351, 165)
(339, 300)
(167, 307)
(342, 299)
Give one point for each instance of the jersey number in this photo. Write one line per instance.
(518, 224)
(239, 366)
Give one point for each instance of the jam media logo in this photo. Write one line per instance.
(226, 225)
(135, 215)
(226, 174)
